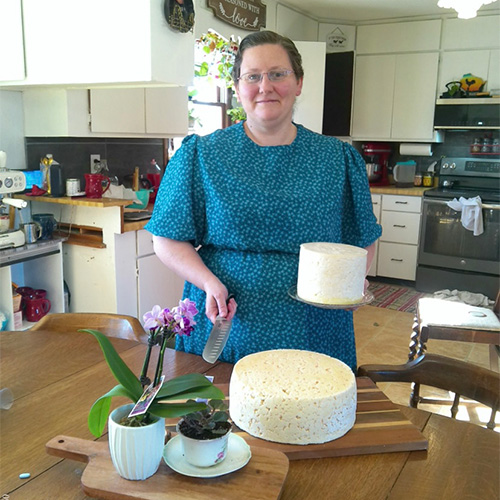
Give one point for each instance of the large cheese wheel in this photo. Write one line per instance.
(292, 396)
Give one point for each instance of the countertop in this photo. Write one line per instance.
(410, 191)
(82, 201)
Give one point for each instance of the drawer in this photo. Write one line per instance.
(402, 203)
(377, 205)
(144, 243)
(400, 227)
(397, 261)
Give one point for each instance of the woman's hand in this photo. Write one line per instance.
(216, 303)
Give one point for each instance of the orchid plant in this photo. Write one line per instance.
(163, 325)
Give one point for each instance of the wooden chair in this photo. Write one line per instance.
(466, 379)
(112, 325)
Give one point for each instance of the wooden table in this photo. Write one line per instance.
(55, 379)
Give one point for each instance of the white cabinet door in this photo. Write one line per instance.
(400, 227)
(167, 110)
(373, 96)
(414, 96)
(309, 107)
(118, 110)
(11, 41)
(157, 285)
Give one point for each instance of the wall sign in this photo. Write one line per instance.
(245, 14)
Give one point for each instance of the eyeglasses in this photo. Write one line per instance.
(277, 75)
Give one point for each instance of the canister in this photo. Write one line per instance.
(428, 179)
(417, 180)
(72, 187)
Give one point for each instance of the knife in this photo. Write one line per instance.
(218, 337)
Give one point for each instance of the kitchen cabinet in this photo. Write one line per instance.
(377, 207)
(89, 42)
(11, 36)
(39, 266)
(412, 36)
(131, 112)
(398, 245)
(143, 281)
(140, 111)
(394, 97)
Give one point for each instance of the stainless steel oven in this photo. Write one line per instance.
(450, 256)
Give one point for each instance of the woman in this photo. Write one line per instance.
(249, 195)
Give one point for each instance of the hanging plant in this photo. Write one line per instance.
(217, 58)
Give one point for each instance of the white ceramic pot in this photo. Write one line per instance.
(136, 452)
(204, 452)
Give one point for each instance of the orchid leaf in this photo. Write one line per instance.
(207, 392)
(98, 415)
(187, 383)
(120, 370)
(174, 410)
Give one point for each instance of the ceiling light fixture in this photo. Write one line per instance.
(466, 9)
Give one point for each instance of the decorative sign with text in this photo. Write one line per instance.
(245, 14)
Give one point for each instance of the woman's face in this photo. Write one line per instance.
(267, 102)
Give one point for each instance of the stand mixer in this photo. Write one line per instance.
(11, 181)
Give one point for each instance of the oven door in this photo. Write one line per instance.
(445, 243)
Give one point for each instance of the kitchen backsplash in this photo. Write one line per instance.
(456, 144)
(122, 155)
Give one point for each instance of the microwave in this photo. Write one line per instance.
(467, 113)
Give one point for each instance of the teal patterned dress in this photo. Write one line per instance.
(250, 207)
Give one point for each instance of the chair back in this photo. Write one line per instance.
(466, 379)
(111, 325)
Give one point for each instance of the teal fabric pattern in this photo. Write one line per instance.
(250, 207)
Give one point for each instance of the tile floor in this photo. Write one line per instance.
(383, 336)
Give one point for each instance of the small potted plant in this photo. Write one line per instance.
(137, 430)
(204, 434)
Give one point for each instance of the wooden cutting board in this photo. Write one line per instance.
(261, 479)
(379, 428)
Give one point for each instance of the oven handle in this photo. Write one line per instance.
(444, 202)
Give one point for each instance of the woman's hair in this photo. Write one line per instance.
(268, 37)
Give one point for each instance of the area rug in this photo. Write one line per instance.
(395, 297)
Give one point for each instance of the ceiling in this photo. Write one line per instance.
(356, 11)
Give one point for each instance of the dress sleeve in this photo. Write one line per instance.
(179, 210)
(359, 224)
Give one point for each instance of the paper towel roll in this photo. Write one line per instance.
(415, 149)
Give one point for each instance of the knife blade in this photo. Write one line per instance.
(218, 337)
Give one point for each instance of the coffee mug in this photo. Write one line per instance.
(32, 231)
(94, 185)
(35, 309)
(4, 222)
(48, 224)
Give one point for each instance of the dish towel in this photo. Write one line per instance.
(472, 213)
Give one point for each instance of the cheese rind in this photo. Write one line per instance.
(331, 273)
(293, 396)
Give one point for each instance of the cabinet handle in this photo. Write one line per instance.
(397, 260)
(401, 203)
(398, 225)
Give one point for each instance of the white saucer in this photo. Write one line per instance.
(367, 298)
(238, 455)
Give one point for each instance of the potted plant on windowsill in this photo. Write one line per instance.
(204, 434)
(136, 441)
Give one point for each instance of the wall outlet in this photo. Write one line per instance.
(93, 159)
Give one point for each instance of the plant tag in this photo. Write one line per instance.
(146, 399)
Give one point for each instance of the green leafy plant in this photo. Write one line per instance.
(163, 325)
(208, 423)
(237, 114)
